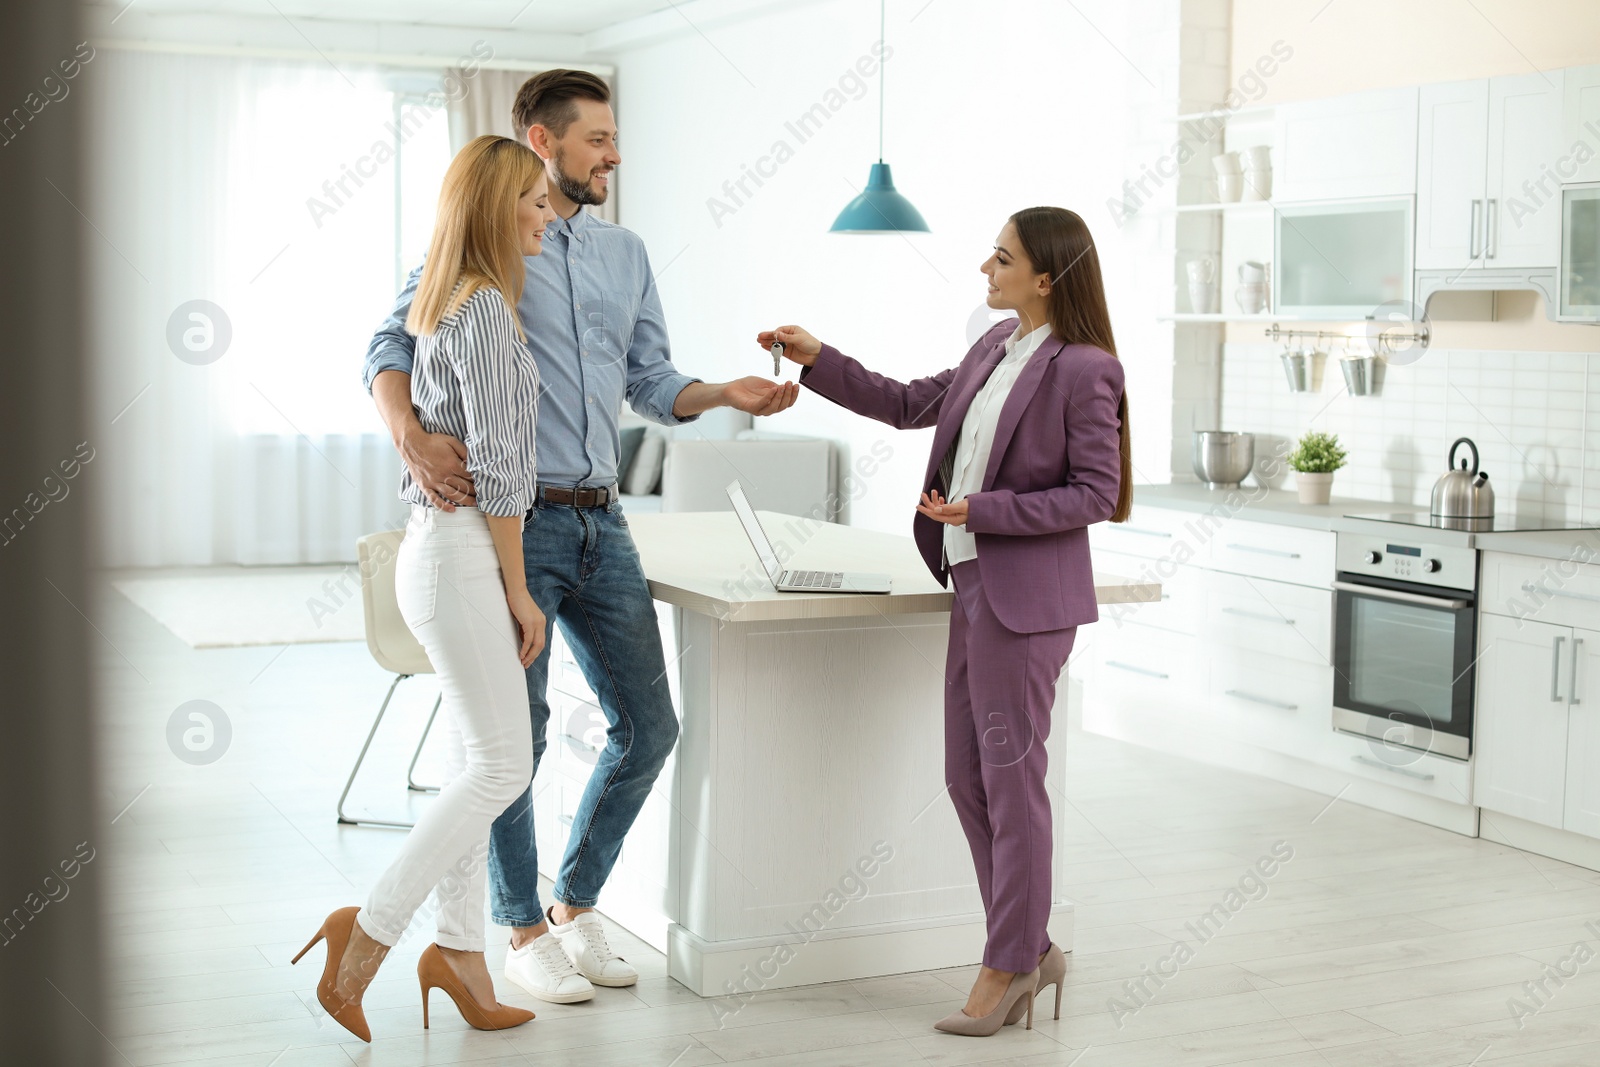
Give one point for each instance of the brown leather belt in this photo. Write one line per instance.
(585, 496)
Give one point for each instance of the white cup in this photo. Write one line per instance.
(1227, 163)
(1202, 270)
(1229, 188)
(1202, 298)
(1257, 184)
(1257, 157)
(1251, 298)
(1252, 273)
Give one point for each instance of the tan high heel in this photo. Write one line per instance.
(434, 972)
(1021, 989)
(1053, 968)
(336, 929)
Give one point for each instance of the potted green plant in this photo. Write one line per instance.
(1314, 460)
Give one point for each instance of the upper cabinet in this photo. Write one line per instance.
(1452, 161)
(1487, 194)
(1579, 160)
(1357, 145)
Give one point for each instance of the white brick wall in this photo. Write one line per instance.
(1535, 417)
(1183, 47)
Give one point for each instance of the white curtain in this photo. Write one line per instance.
(487, 109)
(260, 187)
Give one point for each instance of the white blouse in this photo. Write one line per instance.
(977, 436)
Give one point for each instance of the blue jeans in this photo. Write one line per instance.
(583, 571)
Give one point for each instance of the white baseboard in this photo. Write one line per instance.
(1543, 840)
(750, 965)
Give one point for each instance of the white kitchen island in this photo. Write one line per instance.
(800, 833)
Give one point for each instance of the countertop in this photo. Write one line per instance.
(1251, 502)
(702, 561)
(1283, 506)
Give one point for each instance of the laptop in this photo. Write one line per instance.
(797, 581)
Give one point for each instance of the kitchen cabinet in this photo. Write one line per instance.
(1580, 124)
(1356, 145)
(1341, 260)
(1280, 707)
(1277, 620)
(1452, 161)
(1483, 148)
(1521, 743)
(1147, 673)
(1270, 550)
(1580, 254)
(1582, 812)
(1523, 229)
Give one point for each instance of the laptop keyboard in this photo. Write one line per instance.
(813, 579)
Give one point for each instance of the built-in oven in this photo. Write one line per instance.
(1404, 644)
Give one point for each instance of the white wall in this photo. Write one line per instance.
(991, 108)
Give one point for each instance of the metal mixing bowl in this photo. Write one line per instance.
(1222, 458)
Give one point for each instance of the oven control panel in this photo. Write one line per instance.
(1383, 556)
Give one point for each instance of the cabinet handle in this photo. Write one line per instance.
(1146, 533)
(1136, 670)
(1555, 668)
(1451, 603)
(1263, 616)
(1472, 242)
(1265, 551)
(1240, 694)
(1491, 228)
(1572, 679)
(580, 742)
(1370, 762)
(1532, 589)
(565, 820)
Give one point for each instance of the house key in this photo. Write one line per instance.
(777, 359)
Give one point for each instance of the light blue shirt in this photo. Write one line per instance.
(594, 323)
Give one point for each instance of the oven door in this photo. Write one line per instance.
(1403, 655)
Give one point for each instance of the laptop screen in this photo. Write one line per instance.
(752, 529)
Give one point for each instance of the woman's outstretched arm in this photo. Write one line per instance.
(829, 372)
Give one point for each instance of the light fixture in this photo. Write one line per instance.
(879, 208)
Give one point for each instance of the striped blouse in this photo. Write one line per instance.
(476, 381)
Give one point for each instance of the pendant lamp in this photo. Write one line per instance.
(879, 208)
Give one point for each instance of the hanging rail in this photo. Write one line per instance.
(1382, 339)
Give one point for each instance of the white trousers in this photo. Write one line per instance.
(452, 596)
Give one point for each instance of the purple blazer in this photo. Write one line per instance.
(1055, 466)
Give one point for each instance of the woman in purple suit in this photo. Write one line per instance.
(1030, 447)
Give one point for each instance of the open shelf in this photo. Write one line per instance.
(1243, 114)
(1232, 205)
(1223, 316)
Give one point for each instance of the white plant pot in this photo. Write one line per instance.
(1313, 488)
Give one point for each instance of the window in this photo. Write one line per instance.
(333, 179)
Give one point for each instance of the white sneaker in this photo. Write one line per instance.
(542, 969)
(584, 939)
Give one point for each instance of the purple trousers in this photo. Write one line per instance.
(999, 689)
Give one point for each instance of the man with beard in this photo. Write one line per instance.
(594, 324)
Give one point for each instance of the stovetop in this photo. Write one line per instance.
(1500, 523)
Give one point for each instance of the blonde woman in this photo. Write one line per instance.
(461, 585)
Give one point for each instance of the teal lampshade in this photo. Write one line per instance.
(879, 209)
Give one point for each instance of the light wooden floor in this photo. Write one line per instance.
(1381, 941)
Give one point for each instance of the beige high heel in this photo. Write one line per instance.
(1022, 989)
(434, 973)
(1053, 968)
(336, 930)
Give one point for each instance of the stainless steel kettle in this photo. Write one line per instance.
(1462, 493)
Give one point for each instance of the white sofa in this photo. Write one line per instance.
(788, 473)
